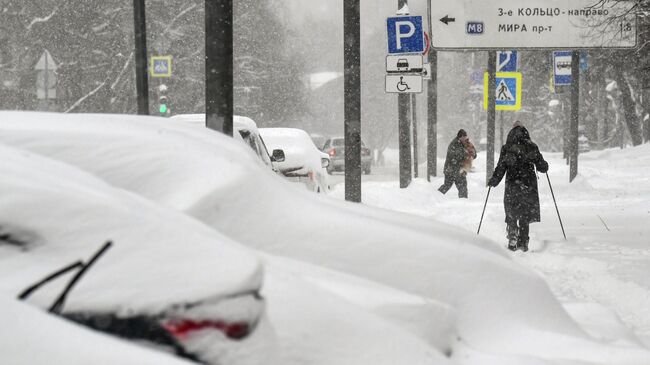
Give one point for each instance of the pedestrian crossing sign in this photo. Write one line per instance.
(507, 91)
(161, 66)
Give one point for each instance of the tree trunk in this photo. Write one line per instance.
(629, 108)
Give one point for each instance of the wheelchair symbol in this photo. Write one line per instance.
(401, 85)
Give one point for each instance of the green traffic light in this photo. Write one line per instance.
(163, 108)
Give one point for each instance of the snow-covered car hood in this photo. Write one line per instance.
(56, 214)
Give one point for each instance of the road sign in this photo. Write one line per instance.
(508, 24)
(562, 68)
(507, 61)
(404, 64)
(46, 77)
(405, 34)
(161, 66)
(508, 91)
(584, 64)
(404, 84)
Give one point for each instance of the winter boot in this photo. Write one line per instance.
(513, 232)
(522, 241)
(523, 244)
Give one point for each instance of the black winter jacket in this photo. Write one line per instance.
(455, 158)
(519, 157)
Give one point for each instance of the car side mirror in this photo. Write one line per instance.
(278, 156)
(325, 162)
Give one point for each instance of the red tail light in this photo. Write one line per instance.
(332, 152)
(181, 329)
(311, 175)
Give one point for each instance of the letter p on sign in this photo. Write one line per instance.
(405, 34)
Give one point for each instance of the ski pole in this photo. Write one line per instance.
(555, 202)
(485, 205)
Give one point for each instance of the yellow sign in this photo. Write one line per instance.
(508, 91)
(161, 66)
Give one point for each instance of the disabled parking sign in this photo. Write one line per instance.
(507, 92)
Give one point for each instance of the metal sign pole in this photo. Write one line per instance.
(414, 113)
(141, 81)
(352, 97)
(405, 163)
(575, 114)
(491, 114)
(47, 83)
(218, 66)
(432, 108)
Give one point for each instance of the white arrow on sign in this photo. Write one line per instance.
(46, 62)
(506, 60)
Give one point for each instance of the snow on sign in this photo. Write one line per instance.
(405, 34)
(508, 24)
(508, 91)
(161, 66)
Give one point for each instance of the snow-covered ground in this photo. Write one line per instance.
(603, 269)
(423, 288)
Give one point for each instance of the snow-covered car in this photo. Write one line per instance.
(335, 148)
(245, 129)
(304, 163)
(161, 277)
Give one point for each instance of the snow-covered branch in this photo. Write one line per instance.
(78, 102)
(42, 20)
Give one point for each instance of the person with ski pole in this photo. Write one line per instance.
(518, 160)
(460, 154)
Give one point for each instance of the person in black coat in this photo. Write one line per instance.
(518, 160)
(454, 173)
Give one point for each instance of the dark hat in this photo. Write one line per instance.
(461, 133)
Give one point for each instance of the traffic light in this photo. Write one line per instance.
(163, 106)
(163, 101)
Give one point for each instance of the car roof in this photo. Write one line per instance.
(239, 122)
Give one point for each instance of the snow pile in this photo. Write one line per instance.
(501, 307)
(601, 273)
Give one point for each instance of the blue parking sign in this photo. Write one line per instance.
(405, 34)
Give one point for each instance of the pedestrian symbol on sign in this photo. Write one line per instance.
(504, 93)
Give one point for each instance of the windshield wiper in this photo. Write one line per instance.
(57, 306)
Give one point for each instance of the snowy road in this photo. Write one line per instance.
(605, 263)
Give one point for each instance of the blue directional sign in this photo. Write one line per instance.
(507, 92)
(507, 61)
(405, 34)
